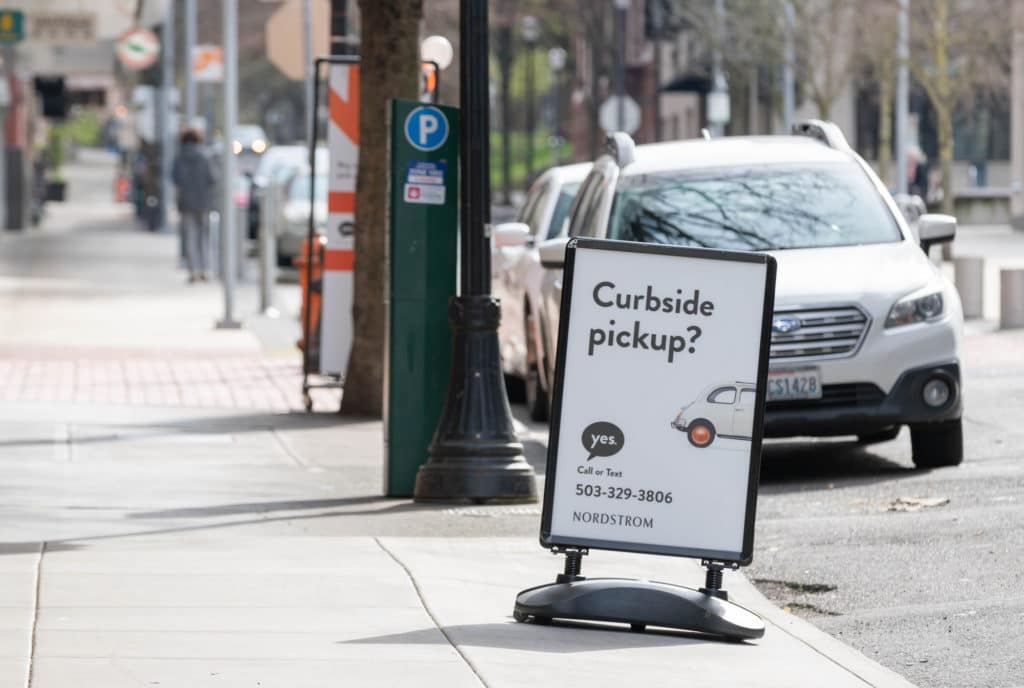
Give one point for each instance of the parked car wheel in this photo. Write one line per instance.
(701, 433)
(938, 444)
(880, 436)
(536, 395)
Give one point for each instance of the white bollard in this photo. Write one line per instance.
(969, 274)
(1011, 298)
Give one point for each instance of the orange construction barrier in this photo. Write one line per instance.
(310, 297)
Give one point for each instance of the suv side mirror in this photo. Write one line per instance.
(911, 206)
(552, 252)
(935, 228)
(511, 234)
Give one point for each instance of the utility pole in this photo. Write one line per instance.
(718, 98)
(228, 221)
(165, 130)
(621, 7)
(1017, 118)
(307, 68)
(190, 79)
(902, 96)
(475, 454)
(788, 58)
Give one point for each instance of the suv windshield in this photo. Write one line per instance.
(753, 209)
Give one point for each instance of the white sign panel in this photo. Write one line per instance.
(339, 255)
(659, 400)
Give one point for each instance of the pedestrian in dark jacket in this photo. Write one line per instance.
(196, 179)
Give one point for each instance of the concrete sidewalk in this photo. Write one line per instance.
(155, 535)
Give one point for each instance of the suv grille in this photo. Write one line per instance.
(830, 332)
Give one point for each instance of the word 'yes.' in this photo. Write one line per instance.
(602, 439)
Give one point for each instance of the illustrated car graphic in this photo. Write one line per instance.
(722, 410)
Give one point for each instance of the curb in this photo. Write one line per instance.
(866, 669)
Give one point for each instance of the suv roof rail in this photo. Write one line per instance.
(621, 147)
(828, 133)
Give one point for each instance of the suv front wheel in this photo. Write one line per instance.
(937, 444)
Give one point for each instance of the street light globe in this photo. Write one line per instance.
(556, 59)
(437, 49)
(531, 28)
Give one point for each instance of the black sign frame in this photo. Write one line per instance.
(745, 556)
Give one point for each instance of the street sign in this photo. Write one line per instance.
(283, 35)
(12, 26)
(62, 28)
(339, 256)
(208, 64)
(138, 48)
(659, 400)
(426, 128)
(423, 217)
(608, 115)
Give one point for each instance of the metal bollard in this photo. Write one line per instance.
(1011, 298)
(969, 274)
(267, 250)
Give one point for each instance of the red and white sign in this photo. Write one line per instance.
(339, 258)
(138, 48)
(208, 64)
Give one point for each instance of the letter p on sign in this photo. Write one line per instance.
(426, 128)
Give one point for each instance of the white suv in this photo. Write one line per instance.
(867, 332)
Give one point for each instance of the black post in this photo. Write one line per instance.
(531, 109)
(339, 27)
(620, 65)
(475, 454)
(505, 68)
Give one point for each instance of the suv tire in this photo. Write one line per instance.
(938, 444)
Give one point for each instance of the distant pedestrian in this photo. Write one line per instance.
(196, 179)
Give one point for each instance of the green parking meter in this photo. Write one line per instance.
(423, 222)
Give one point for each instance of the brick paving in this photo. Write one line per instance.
(161, 379)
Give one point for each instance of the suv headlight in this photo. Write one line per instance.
(915, 309)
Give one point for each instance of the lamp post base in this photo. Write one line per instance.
(475, 454)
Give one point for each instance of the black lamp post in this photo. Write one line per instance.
(531, 32)
(475, 454)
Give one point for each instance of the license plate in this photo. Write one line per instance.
(787, 385)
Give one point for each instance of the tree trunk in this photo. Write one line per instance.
(885, 76)
(389, 68)
(944, 121)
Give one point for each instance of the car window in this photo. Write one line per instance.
(723, 395)
(299, 189)
(579, 204)
(529, 211)
(756, 208)
(747, 396)
(561, 211)
(584, 211)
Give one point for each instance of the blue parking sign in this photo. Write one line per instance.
(426, 128)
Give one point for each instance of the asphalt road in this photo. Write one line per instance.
(932, 592)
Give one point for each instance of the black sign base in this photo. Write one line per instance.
(639, 604)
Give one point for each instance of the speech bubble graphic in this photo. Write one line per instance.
(602, 439)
